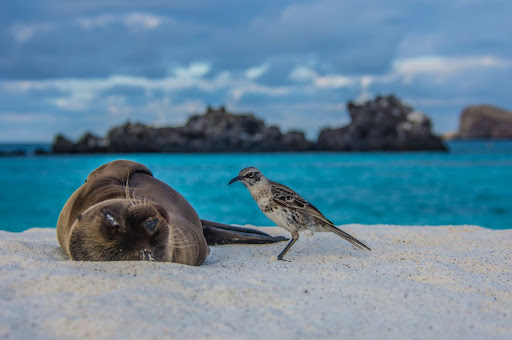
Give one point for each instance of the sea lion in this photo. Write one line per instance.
(123, 213)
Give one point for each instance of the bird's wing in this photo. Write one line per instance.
(288, 198)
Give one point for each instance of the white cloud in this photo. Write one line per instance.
(24, 118)
(242, 88)
(196, 70)
(439, 66)
(167, 112)
(306, 74)
(147, 21)
(435, 68)
(84, 90)
(21, 86)
(256, 72)
(80, 94)
(76, 101)
(334, 81)
(302, 73)
(134, 20)
(161, 112)
(23, 32)
(365, 83)
(99, 21)
(117, 107)
(434, 102)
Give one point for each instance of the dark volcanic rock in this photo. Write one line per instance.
(214, 131)
(15, 153)
(142, 138)
(296, 141)
(62, 145)
(91, 144)
(41, 152)
(220, 131)
(384, 124)
(484, 121)
(87, 144)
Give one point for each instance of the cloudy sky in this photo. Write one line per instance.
(72, 66)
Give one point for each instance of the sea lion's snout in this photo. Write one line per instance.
(145, 219)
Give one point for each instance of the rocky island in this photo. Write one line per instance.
(383, 124)
(484, 122)
(215, 131)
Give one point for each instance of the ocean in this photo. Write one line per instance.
(471, 184)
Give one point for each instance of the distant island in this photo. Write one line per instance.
(483, 122)
(381, 124)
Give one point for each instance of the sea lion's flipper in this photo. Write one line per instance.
(218, 234)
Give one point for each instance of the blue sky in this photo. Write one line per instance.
(76, 66)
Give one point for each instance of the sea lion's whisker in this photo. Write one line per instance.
(181, 244)
(177, 236)
(127, 186)
(132, 199)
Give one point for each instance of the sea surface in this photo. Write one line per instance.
(471, 184)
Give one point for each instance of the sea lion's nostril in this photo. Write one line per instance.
(151, 224)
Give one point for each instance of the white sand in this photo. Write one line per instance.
(418, 282)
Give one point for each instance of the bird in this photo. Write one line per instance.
(287, 209)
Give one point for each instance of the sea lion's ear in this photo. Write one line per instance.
(79, 217)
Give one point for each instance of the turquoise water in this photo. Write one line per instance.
(470, 185)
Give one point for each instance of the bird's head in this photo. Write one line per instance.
(249, 177)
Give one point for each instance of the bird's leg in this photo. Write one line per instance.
(295, 237)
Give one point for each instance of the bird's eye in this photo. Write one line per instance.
(250, 174)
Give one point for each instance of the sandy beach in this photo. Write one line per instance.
(418, 282)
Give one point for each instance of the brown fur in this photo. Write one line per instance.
(104, 219)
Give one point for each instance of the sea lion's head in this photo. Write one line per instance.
(120, 230)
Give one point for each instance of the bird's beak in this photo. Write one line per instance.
(237, 178)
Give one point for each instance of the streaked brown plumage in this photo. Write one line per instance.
(288, 209)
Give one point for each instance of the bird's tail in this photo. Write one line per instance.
(346, 236)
